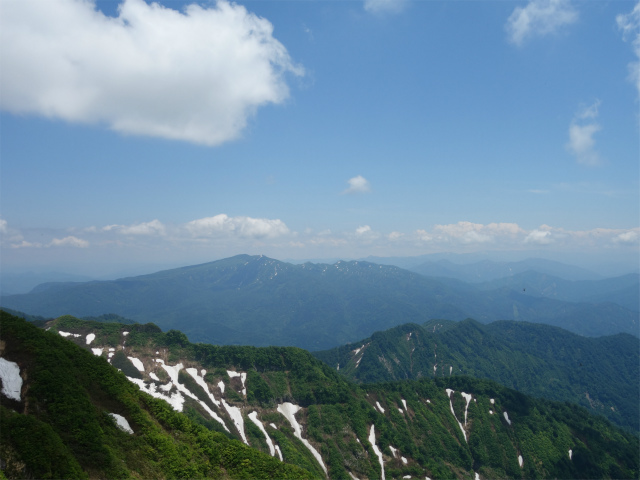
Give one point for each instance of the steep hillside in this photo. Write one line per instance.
(260, 301)
(602, 374)
(284, 402)
(66, 413)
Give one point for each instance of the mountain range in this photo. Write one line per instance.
(183, 410)
(256, 300)
(601, 374)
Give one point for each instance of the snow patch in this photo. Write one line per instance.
(520, 461)
(401, 411)
(154, 376)
(477, 477)
(254, 418)
(467, 397)
(279, 453)
(376, 450)
(122, 423)
(97, 351)
(490, 412)
(90, 338)
(125, 333)
(112, 349)
(379, 407)
(67, 334)
(236, 416)
(393, 451)
(449, 392)
(137, 363)
(404, 460)
(492, 401)
(243, 378)
(273, 425)
(352, 476)
(176, 400)
(200, 381)
(570, 454)
(404, 403)
(11, 379)
(221, 386)
(289, 411)
(407, 476)
(506, 417)
(450, 370)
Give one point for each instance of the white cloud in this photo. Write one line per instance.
(3, 226)
(245, 227)
(539, 18)
(581, 131)
(358, 184)
(154, 227)
(395, 236)
(195, 75)
(631, 237)
(365, 229)
(70, 241)
(629, 24)
(25, 244)
(539, 237)
(384, 6)
(468, 232)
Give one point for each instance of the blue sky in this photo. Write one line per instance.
(171, 133)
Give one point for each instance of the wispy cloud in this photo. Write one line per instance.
(244, 227)
(211, 73)
(539, 18)
(384, 6)
(629, 24)
(357, 184)
(581, 131)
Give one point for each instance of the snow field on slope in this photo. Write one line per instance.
(376, 450)
(289, 411)
(122, 423)
(253, 416)
(11, 379)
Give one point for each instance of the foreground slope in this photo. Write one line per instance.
(602, 374)
(285, 402)
(260, 301)
(65, 413)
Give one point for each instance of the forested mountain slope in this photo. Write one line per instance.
(260, 301)
(285, 402)
(66, 413)
(602, 374)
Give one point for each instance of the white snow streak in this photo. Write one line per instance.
(97, 351)
(520, 461)
(90, 338)
(279, 452)
(200, 381)
(449, 392)
(289, 411)
(122, 423)
(243, 378)
(176, 400)
(254, 418)
(11, 379)
(221, 386)
(404, 460)
(273, 425)
(506, 417)
(570, 454)
(137, 363)
(404, 403)
(66, 334)
(154, 376)
(376, 450)
(236, 416)
(467, 397)
(393, 451)
(379, 407)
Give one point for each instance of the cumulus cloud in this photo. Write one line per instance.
(3, 226)
(357, 184)
(70, 241)
(539, 18)
(629, 24)
(539, 237)
(365, 229)
(246, 227)
(581, 131)
(384, 6)
(195, 75)
(630, 238)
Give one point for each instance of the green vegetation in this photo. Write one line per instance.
(70, 391)
(602, 374)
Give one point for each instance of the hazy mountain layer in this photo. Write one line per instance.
(602, 374)
(260, 301)
(284, 402)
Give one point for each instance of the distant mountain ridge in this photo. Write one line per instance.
(602, 374)
(260, 301)
(282, 403)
